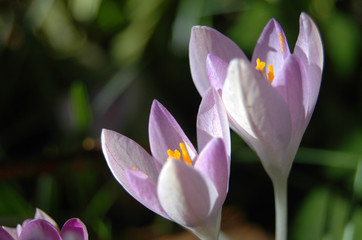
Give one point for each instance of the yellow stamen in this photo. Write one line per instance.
(270, 73)
(260, 65)
(177, 155)
(282, 41)
(135, 169)
(185, 154)
(174, 154)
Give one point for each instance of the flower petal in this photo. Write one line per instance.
(122, 153)
(257, 108)
(4, 235)
(289, 84)
(74, 229)
(309, 48)
(165, 133)
(12, 231)
(212, 120)
(203, 41)
(40, 230)
(39, 214)
(272, 46)
(214, 163)
(186, 195)
(216, 70)
(145, 191)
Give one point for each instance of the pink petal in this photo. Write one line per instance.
(39, 214)
(186, 195)
(214, 163)
(216, 70)
(259, 110)
(145, 191)
(165, 133)
(12, 231)
(309, 48)
(74, 229)
(272, 47)
(122, 153)
(4, 235)
(289, 84)
(203, 41)
(40, 230)
(212, 120)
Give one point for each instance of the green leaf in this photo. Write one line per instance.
(311, 218)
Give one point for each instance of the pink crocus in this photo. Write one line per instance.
(175, 181)
(43, 227)
(270, 99)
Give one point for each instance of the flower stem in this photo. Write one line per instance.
(281, 209)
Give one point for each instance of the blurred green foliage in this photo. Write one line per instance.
(70, 68)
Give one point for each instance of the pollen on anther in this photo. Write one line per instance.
(259, 65)
(282, 41)
(270, 73)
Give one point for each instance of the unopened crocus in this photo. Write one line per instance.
(270, 99)
(43, 227)
(176, 182)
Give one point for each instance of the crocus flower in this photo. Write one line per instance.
(43, 227)
(270, 99)
(176, 182)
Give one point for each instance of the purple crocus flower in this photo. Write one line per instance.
(176, 182)
(270, 99)
(43, 227)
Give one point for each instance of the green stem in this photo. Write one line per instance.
(281, 209)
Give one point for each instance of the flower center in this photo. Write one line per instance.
(260, 65)
(177, 155)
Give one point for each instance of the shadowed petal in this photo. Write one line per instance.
(145, 191)
(272, 46)
(257, 107)
(4, 235)
(214, 163)
(74, 229)
(12, 231)
(39, 214)
(185, 194)
(216, 70)
(289, 84)
(310, 49)
(212, 120)
(203, 41)
(122, 153)
(40, 230)
(165, 133)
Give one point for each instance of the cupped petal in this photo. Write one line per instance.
(145, 191)
(212, 120)
(122, 153)
(257, 108)
(272, 46)
(214, 163)
(40, 230)
(216, 71)
(289, 83)
(4, 235)
(40, 214)
(185, 194)
(165, 133)
(74, 229)
(309, 48)
(203, 41)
